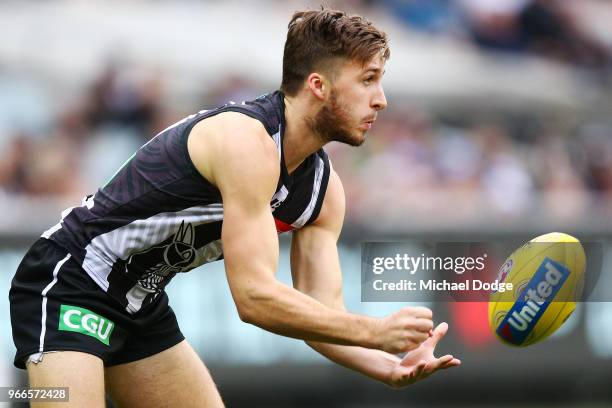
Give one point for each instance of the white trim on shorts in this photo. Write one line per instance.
(37, 357)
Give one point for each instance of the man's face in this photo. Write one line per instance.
(355, 98)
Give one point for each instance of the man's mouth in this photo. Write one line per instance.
(368, 122)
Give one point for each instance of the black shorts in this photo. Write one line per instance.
(56, 306)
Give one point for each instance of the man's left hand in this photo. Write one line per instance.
(421, 363)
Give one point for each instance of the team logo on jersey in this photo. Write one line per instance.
(165, 259)
(279, 197)
(79, 320)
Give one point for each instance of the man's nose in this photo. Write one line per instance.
(379, 102)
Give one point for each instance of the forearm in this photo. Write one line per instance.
(375, 364)
(288, 312)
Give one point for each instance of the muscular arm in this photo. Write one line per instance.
(316, 271)
(236, 154)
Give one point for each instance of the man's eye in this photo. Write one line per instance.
(368, 80)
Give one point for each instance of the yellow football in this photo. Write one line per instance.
(547, 274)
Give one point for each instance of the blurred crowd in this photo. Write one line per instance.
(415, 161)
(560, 30)
(68, 153)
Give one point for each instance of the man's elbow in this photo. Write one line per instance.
(252, 304)
(246, 312)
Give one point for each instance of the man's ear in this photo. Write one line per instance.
(317, 84)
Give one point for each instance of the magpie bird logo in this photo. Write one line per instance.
(166, 259)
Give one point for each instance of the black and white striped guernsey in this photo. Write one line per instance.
(158, 216)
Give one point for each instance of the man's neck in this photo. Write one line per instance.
(299, 140)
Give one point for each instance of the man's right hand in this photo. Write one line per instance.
(404, 330)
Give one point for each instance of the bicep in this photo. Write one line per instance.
(315, 263)
(236, 154)
(250, 245)
(250, 241)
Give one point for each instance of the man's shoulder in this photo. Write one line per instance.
(233, 131)
(231, 140)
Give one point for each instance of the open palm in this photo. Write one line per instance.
(421, 362)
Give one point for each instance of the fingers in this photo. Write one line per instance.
(420, 311)
(414, 374)
(423, 325)
(455, 362)
(418, 370)
(419, 318)
(408, 328)
(439, 332)
(442, 363)
(430, 337)
(424, 369)
(414, 341)
(439, 364)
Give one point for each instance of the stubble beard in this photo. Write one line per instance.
(332, 123)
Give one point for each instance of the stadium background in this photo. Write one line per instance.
(498, 128)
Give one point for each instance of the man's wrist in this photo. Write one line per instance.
(387, 372)
(367, 335)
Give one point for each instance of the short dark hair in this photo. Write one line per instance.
(318, 38)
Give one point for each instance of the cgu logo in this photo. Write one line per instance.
(537, 298)
(79, 320)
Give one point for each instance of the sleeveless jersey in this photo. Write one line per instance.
(158, 216)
